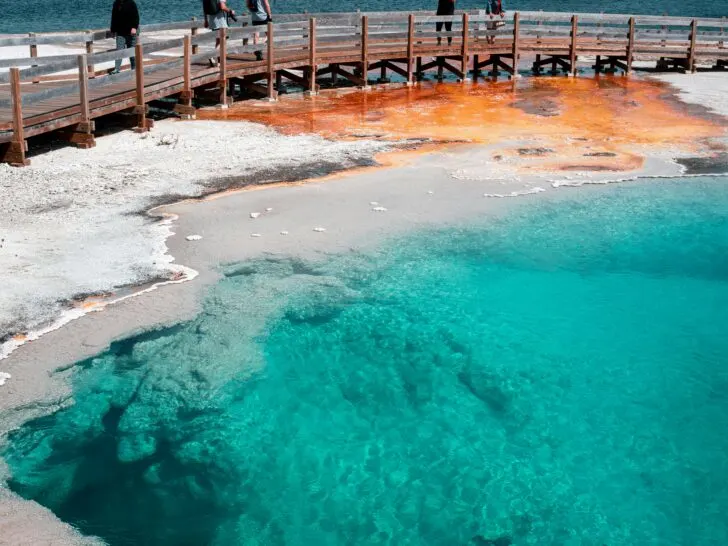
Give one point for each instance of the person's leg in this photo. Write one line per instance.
(438, 28)
(120, 44)
(131, 41)
(448, 28)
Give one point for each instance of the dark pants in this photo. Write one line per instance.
(124, 42)
(448, 28)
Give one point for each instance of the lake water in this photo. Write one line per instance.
(555, 377)
(47, 15)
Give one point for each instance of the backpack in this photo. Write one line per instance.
(210, 7)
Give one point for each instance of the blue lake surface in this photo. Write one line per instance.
(47, 15)
(558, 376)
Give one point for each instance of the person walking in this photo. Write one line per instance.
(125, 26)
(216, 17)
(445, 7)
(260, 14)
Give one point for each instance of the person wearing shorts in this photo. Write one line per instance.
(445, 7)
(260, 14)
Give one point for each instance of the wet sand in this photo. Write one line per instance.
(622, 121)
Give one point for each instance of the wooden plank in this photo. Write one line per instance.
(40, 39)
(50, 93)
(50, 68)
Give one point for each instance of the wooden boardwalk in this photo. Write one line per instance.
(66, 94)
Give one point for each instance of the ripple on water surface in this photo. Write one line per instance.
(557, 377)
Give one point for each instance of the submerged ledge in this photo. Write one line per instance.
(431, 189)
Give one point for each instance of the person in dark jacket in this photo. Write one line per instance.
(125, 26)
(445, 7)
(493, 8)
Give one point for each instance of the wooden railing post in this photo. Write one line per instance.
(83, 89)
(271, 72)
(464, 50)
(222, 65)
(33, 50)
(572, 46)
(187, 71)
(141, 106)
(81, 135)
(516, 44)
(17, 148)
(693, 39)
(90, 51)
(410, 48)
(193, 33)
(365, 49)
(630, 45)
(312, 66)
(33, 45)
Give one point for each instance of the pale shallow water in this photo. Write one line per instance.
(555, 377)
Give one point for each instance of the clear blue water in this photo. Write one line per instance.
(47, 15)
(556, 377)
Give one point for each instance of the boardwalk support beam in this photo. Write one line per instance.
(691, 51)
(364, 68)
(311, 87)
(184, 106)
(222, 80)
(143, 124)
(271, 74)
(410, 48)
(464, 51)
(572, 46)
(81, 134)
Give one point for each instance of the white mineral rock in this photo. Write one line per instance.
(255, 234)
(4, 377)
(254, 214)
(193, 237)
(319, 229)
(379, 209)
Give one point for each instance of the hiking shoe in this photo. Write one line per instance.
(212, 61)
(258, 55)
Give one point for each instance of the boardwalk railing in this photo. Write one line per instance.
(39, 94)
